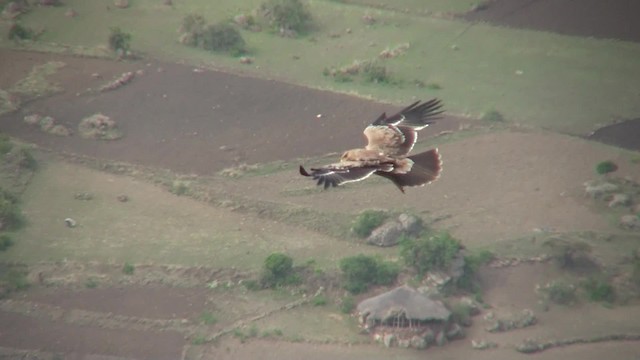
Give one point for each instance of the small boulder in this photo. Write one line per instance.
(598, 190)
(483, 344)
(630, 222)
(389, 340)
(455, 332)
(388, 234)
(419, 342)
(441, 339)
(620, 200)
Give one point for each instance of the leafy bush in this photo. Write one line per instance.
(319, 300)
(287, 15)
(27, 160)
(429, 252)
(128, 269)
(472, 262)
(10, 216)
(13, 279)
(606, 167)
(208, 318)
(492, 115)
(373, 72)
(461, 314)
(5, 242)
(5, 144)
(570, 254)
(119, 41)
(560, 292)
(278, 271)
(19, 32)
(223, 37)
(347, 304)
(598, 289)
(367, 221)
(361, 271)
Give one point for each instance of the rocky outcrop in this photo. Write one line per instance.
(391, 232)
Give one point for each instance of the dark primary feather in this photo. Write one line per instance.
(332, 177)
(414, 115)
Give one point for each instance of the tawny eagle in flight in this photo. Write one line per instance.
(389, 141)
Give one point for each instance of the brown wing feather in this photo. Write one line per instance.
(426, 169)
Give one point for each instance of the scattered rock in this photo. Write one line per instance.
(389, 340)
(71, 13)
(83, 196)
(121, 4)
(390, 233)
(123, 198)
(441, 339)
(630, 222)
(246, 60)
(483, 344)
(419, 342)
(620, 200)
(404, 343)
(471, 304)
(524, 319)
(122, 80)
(100, 127)
(70, 222)
(455, 332)
(397, 51)
(598, 190)
(47, 124)
(369, 19)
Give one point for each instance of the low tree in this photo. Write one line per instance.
(287, 15)
(119, 41)
(429, 252)
(278, 271)
(360, 272)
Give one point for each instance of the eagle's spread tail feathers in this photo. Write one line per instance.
(426, 169)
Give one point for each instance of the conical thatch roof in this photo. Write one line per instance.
(402, 300)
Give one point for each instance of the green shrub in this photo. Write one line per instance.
(5, 144)
(199, 340)
(606, 167)
(360, 272)
(18, 32)
(560, 292)
(128, 269)
(91, 283)
(223, 37)
(347, 304)
(598, 289)
(13, 279)
(319, 300)
(5, 242)
(287, 15)
(570, 254)
(119, 41)
(367, 221)
(492, 115)
(461, 314)
(373, 72)
(27, 160)
(635, 270)
(278, 271)
(472, 262)
(10, 216)
(429, 252)
(208, 318)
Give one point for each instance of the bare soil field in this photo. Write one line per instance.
(499, 184)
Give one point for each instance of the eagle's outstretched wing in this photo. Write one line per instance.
(336, 174)
(396, 135)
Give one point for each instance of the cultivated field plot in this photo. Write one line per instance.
(152, 245)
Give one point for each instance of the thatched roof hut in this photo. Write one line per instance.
(401, 307)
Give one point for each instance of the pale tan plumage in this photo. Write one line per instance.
(389, 141)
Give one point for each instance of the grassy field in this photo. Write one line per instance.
(155, 226)
(540, 79)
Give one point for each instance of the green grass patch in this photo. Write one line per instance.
(208, 318)
(37, 84)
(367, 221)
(128, 269)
